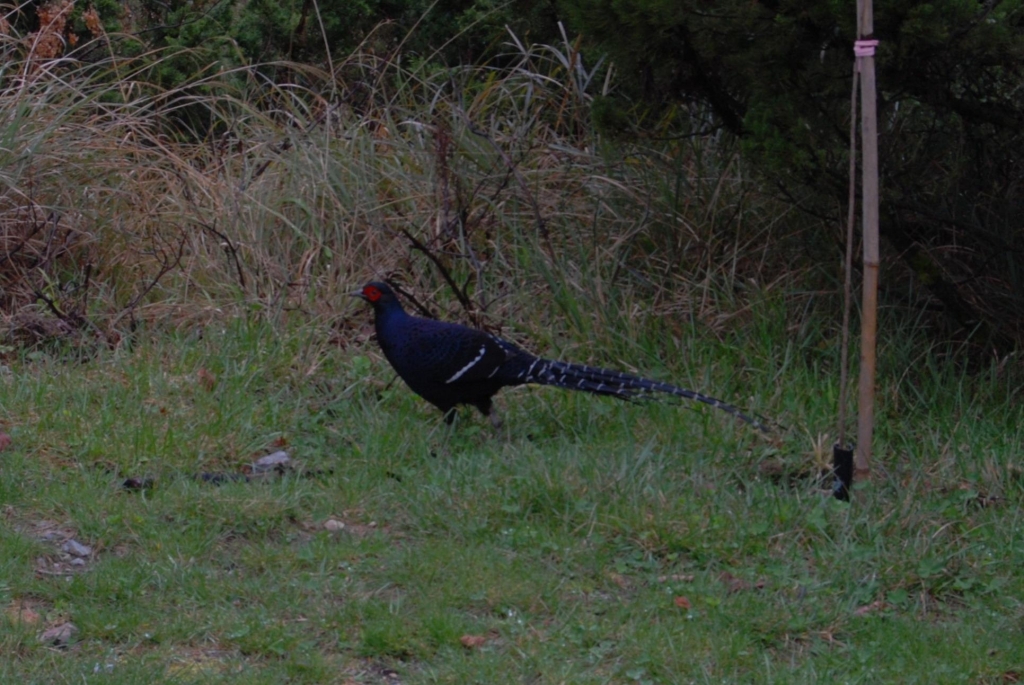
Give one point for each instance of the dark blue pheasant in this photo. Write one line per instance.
(449, 364)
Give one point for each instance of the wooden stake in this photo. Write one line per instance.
(869, 193)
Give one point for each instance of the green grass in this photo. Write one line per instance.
(567, 541)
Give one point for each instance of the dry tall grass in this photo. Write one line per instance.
(479, 180)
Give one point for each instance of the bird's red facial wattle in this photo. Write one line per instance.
(371, 293)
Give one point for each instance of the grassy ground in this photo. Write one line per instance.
(591, 542)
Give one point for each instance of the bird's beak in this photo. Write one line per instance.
(359, 295)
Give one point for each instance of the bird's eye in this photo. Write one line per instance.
(371, 293)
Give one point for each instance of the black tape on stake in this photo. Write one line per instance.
(842, 471)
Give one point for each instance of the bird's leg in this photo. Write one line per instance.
(486, 408)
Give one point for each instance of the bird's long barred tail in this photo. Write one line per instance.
(617, 384)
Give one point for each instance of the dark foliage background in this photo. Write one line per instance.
(777, 76)
(773, 77)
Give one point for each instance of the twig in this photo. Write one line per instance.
(460, 294)
(538, 217)
(37, 227)
(166, 266)
(282, 147)
(229, 246)
(420, 307)
(73, 319)
(49, 241)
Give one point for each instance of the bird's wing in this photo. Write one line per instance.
(452, 354)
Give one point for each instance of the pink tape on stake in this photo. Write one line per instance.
(864, 48)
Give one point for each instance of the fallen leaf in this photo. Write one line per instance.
(207, 380)
(682, 602)
(18, 613)
(620, 580)
(59, 636)
(5, 441)
(472, 641)
(732, 583)
(877, 605)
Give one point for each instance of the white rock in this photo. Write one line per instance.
(76, 548)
